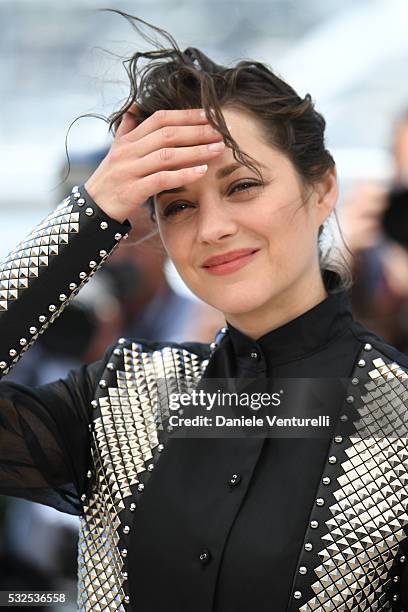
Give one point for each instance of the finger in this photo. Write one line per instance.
(134, 109)
(128, 123)
(168, 179)
(170, 137)
(162, 118)
(179, 157)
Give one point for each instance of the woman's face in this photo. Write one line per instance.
(229, 209)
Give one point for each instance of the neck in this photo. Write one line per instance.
(281, 309)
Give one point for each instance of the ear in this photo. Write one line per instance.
(326, 194)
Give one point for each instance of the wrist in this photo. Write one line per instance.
(109, 211)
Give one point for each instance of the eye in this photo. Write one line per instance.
(244, 186)
(174, 208)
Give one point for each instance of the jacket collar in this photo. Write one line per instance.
(305, 334)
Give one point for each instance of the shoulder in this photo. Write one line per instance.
(389, 352)
(138, 359)
(200, 349)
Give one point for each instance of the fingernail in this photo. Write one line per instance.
(216, 146)
(201, 169)
(203, 115)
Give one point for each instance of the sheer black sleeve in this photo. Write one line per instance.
(44, 435)
(44, 439)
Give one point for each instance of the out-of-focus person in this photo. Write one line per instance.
(374, 221)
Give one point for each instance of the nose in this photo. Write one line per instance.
(214, 220)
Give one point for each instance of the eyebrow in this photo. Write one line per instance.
(220, 174)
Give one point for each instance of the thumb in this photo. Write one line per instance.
(128, 123)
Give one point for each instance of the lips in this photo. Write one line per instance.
(227, 257)
(229, 263)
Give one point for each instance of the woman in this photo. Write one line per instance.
(213, 523)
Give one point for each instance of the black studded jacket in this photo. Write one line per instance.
(258, 521)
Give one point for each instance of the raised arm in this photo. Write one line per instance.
(44, 435)
(44, 445)
(43, 273)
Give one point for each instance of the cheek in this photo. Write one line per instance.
(278, 219)
(167, 237)
(287, 228)
(176, 244)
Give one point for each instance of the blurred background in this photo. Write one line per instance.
(59, 60)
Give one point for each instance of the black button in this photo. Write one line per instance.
(205, 556)
(234, 480)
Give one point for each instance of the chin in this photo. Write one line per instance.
(236, 305)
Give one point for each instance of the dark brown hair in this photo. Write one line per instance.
(169, 78)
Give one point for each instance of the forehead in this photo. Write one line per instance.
(244, 126)
(221, 173)
(253, 137)
(250, 135)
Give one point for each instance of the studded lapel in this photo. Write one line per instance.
(128, 434)
(356, 541)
